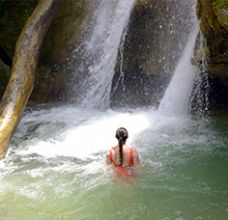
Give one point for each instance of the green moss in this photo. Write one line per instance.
(221, 4)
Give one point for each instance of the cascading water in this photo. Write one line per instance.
(101, 49)
(177, 95)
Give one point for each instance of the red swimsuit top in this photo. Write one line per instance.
(131, 161)
(126, 171)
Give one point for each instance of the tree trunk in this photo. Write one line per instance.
(24, 65)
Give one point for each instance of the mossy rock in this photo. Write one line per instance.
(221, 4)
(221, 11)
(207, 17)
(157, 34)
(213, 17)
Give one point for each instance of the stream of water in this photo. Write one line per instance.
(101, 51)
(178, 93)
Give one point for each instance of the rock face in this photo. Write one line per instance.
(213, 19)
(66, 33)
(156, 36)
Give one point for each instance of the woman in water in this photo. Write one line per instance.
(123, 157)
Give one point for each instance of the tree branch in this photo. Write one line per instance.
(24, 65)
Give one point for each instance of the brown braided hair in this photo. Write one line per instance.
(121, 135)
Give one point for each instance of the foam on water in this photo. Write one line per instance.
(96, 133)
(72, 142)
(75, 140)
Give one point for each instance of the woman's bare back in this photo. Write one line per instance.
(130, 156)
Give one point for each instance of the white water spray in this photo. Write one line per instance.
(87, 132)
(102, 47)
(176, 99)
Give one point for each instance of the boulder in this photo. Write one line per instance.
(213, 20)
(156, 36)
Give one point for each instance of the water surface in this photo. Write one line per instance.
(55, 168)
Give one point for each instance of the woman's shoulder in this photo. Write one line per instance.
(132, 148)
(111, 149)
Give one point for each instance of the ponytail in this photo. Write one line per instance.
(121, 135)
(120, 141)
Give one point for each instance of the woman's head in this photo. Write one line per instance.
(122, 133)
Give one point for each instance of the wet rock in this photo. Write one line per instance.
(156, 36)
(66, 33)
(213, 20)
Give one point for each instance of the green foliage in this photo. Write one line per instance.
(221, 4)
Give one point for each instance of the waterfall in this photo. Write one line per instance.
(176, 98)
(101, 50)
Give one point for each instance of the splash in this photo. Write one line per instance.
(95, 133)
